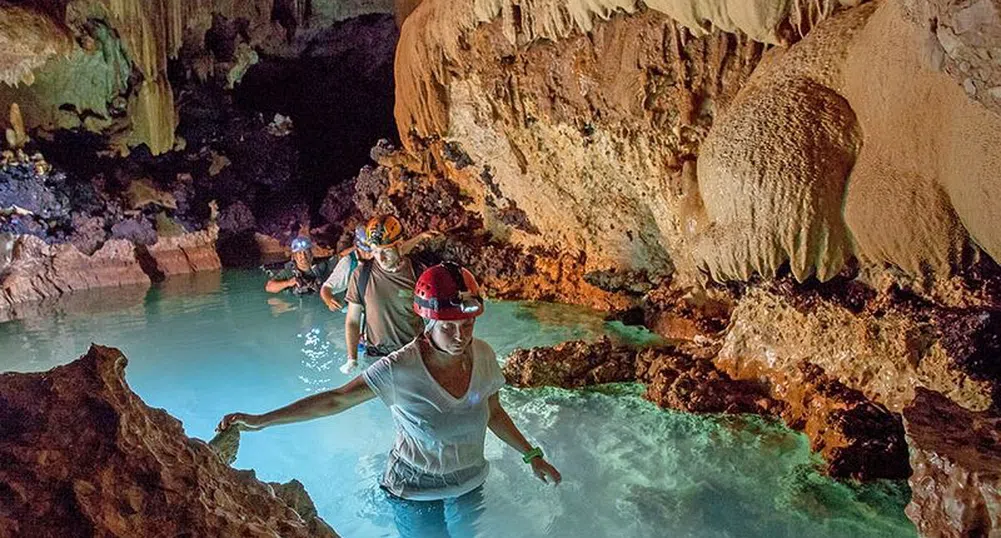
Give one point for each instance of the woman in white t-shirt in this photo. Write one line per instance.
(442, 389)
(337, 282)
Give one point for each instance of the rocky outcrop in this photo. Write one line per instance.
(182, 254)
(857, 437)
(425, 199)
(82, 455)
(31, 270)
(36, 271)
(956, 457)
(571, 365)
(884, 344)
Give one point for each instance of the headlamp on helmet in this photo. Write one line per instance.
(301, 244)
(447, 292)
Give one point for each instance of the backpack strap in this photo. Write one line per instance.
(364, 275)
(352, 263)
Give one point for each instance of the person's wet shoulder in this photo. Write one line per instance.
(482, 349)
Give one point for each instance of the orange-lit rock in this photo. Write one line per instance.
(956, 456)
(85, 456)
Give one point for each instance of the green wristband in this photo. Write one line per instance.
(536, 452)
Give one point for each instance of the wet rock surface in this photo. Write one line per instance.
(956, 457)
(82, 455)
(857, 437)
(571, 365)
(883, 342)
(413, 187)
(34, 270)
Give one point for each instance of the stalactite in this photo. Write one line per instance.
(153, 32)
(27, 40)
(431, 35)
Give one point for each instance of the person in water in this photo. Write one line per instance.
(332, 291)
(382, 289)
(300, 274)
(442, 389)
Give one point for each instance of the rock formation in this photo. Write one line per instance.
(38, 271)
(956, 457)
(811, 186)
(82, 455)
(856, 437)
(122, 49)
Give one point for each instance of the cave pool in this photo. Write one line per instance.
(209, 344)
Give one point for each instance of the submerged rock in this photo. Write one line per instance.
(858, 438)
(571, 365)
(82, 455)
(956, 456)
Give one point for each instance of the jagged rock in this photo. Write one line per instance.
(881, 343)
(956, 457)
(235, 218)
(293, 493)
(571, 365)
(226, 444)
(182, 254)
(136, 230)
(856, 437)
(89, 233)
(82, 455)
(678, 313)
(677, 380)
(38, 271)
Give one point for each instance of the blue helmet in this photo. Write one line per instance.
(301, 243)
(361, 239)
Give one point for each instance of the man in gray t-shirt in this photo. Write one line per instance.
(383, 290)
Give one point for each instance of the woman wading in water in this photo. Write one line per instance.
(442, 391)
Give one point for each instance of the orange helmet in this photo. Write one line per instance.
(447, 292)
(383, 231)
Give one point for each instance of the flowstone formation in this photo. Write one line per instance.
(82, 455)
(812, 187)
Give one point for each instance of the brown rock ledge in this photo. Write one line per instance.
(82, 455)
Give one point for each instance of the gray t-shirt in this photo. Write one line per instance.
(438, 452)
(390, 320)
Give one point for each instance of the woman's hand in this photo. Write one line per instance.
(546, 472)
(242, 421)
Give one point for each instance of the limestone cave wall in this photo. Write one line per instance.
(104, 65)
(641, 137)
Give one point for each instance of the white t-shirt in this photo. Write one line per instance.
(438, 452)
(338, 279)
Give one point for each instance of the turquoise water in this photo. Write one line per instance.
(205, 346)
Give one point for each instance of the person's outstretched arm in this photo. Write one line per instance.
(324, 404)
(409, 244)
(504, 428)
(276, 286)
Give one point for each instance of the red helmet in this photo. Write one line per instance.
(447, 292)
